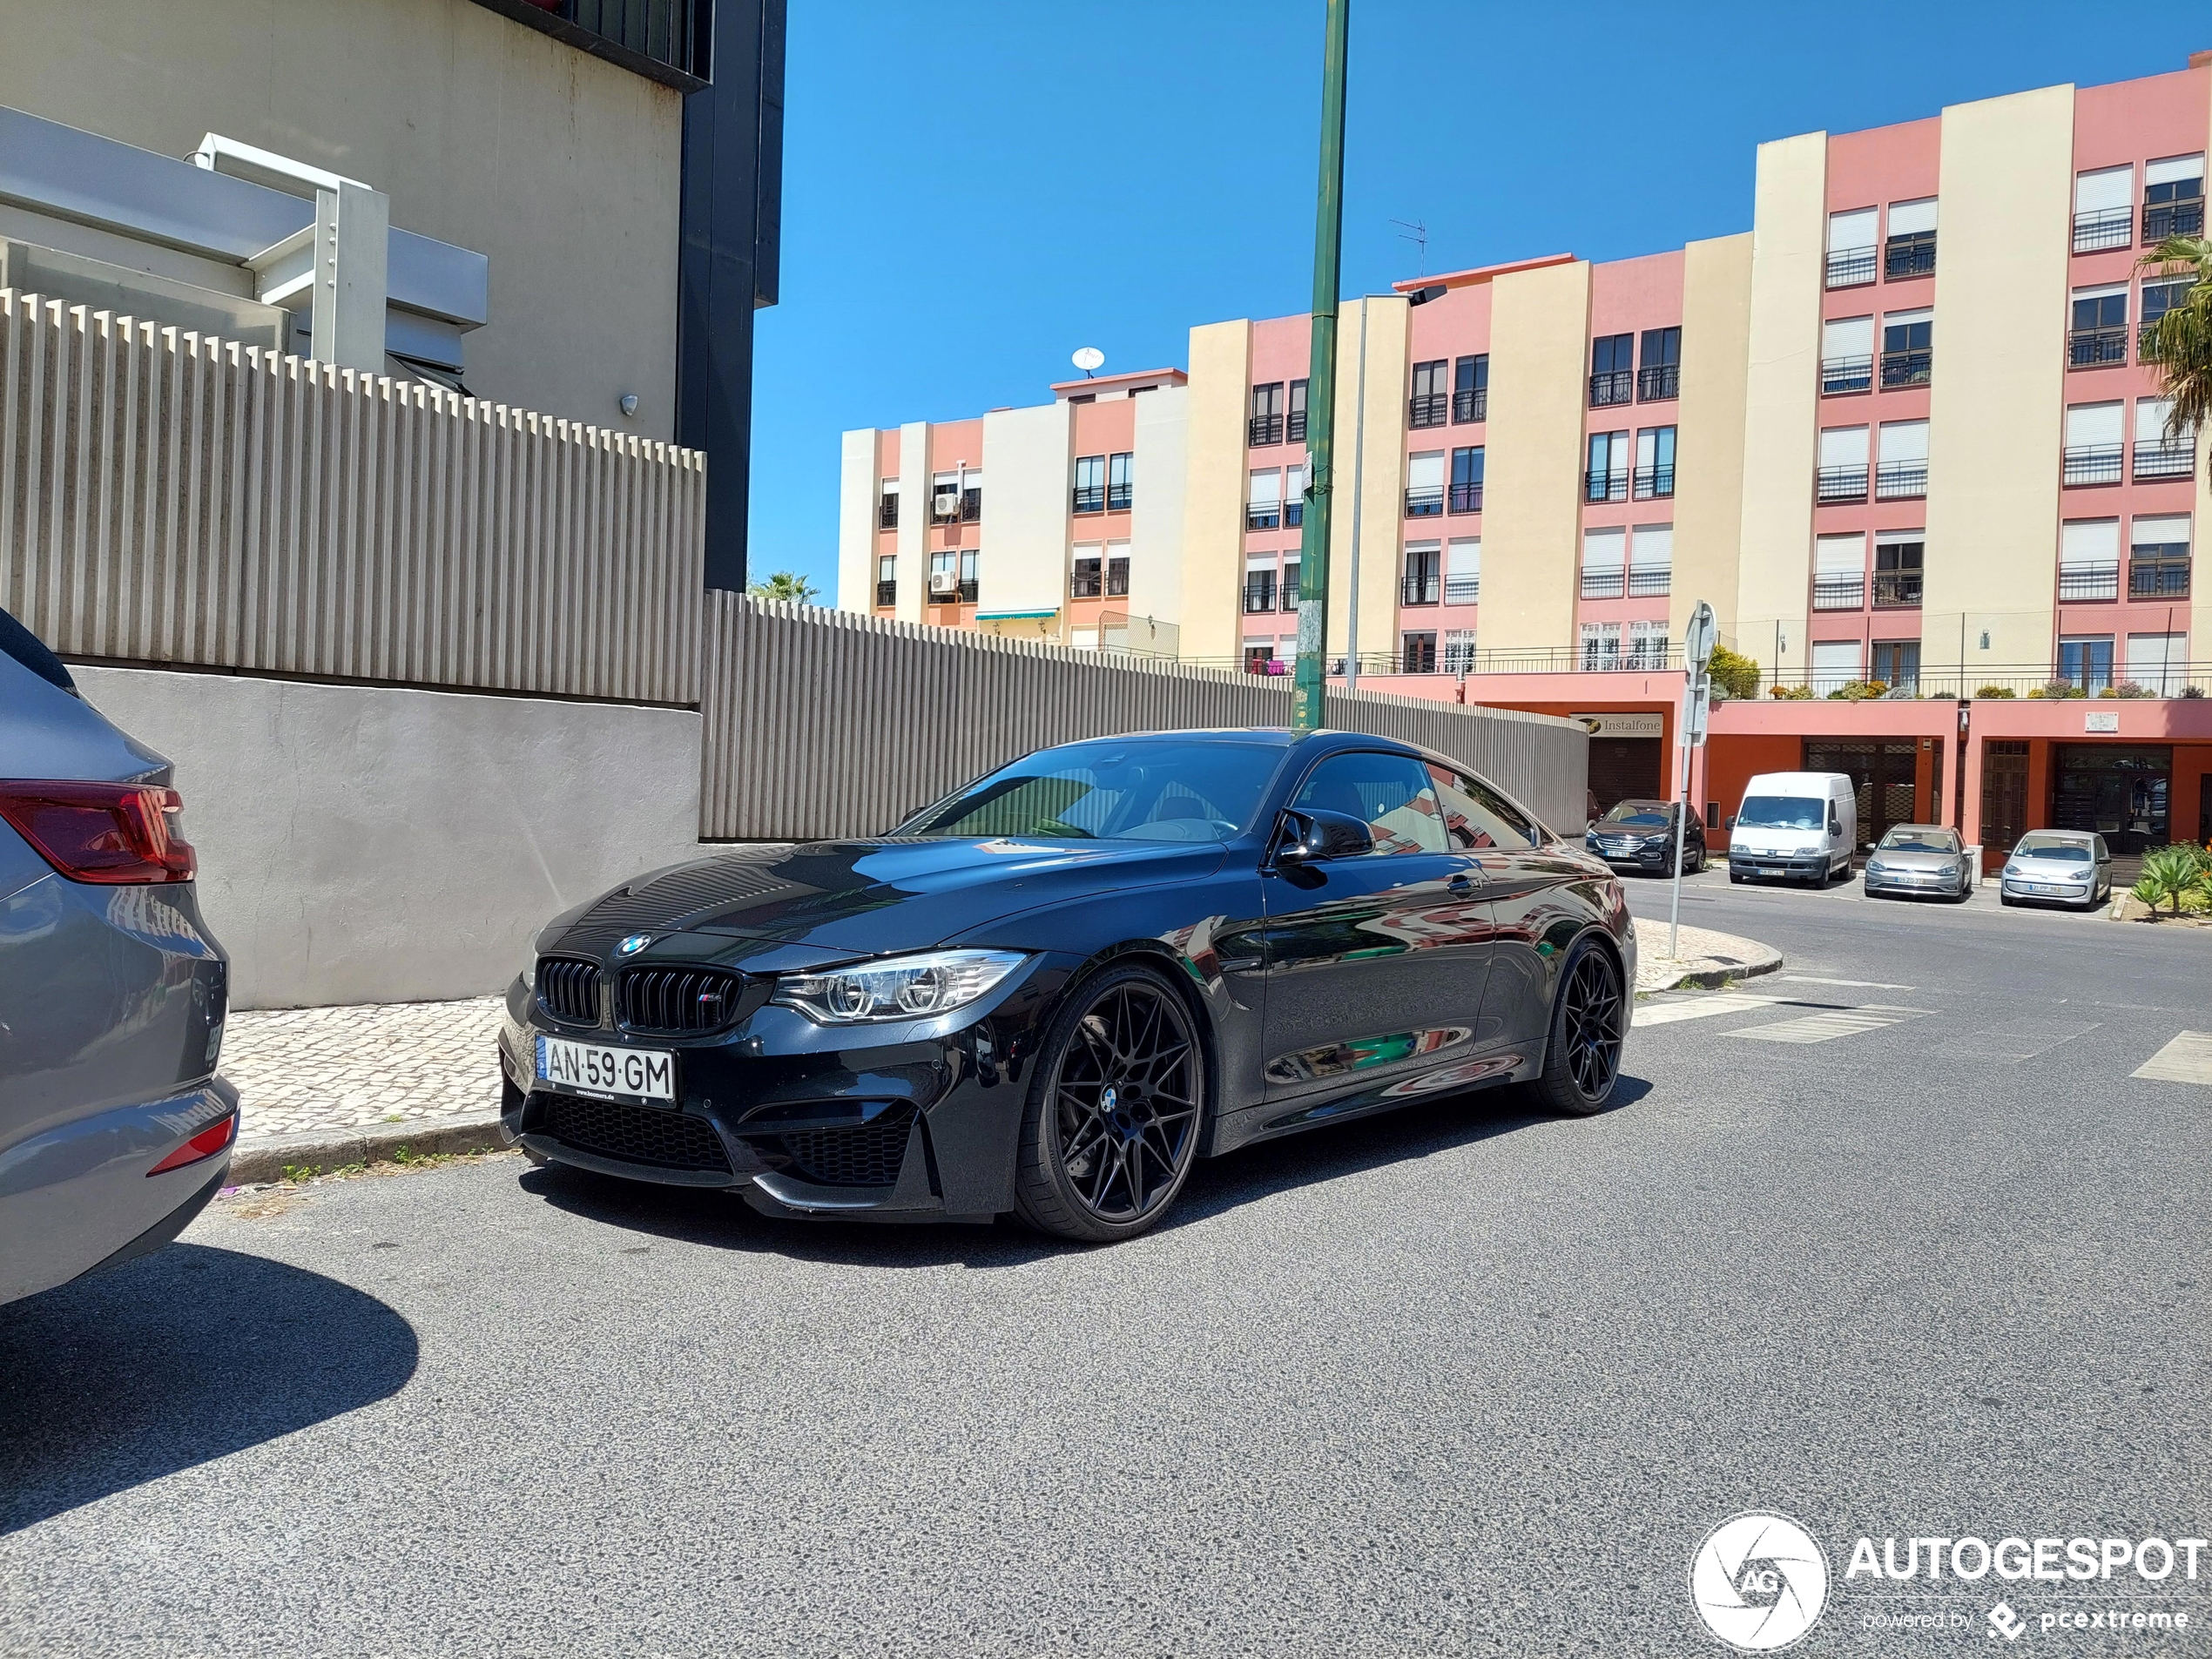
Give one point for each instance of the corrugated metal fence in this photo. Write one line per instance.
(823, 723)
(167, 497)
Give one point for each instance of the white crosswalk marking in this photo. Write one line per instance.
(1828, 1025)
(2187, 1059)
(2021, 1040)
(1703, 1007)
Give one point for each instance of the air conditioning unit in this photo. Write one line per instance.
(946, 503)
(943, 581)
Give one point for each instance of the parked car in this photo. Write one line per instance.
(2069, 867)
(115, 1130)
(1920, 858)
(1640, 835)
(1796, 825)
(1052, 991)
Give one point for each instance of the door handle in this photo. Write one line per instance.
(1461, 884)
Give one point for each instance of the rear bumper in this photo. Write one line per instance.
(78, 1196)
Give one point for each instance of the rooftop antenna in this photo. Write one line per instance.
(1416, 232)
(1088, 358)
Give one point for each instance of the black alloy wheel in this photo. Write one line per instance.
(1115, 1110)
(1589, 1021)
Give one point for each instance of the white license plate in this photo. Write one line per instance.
(2043, 887)
(594, 1068)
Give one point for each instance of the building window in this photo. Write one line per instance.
(1296, 431)
(2158, 557)
(1908, 348)
(1463, 571)
(1294, 480)
(1467, 479)
(2158, 453)
(1647, 646)
(886, 510)
(969, 560)
(1655, 474)
(944, 578)
(1850, 247)
(1839, 571)
(1266, 426)
(1260, 657)
(1605, 552)
(1090, 484)
(1120, 481)
(1601, 646)
(1897, 557)
(1659, 374)
(1651, 561)
(1613, 378)
(1846, 356)
(1431, 404)
(1290, 583)
(1084, 581)
(971, 498)
(1901, 471)
(1897, 663)
(944, 498)
(2086, 660)
(1470, 388)
(2157, 663)
(1835, 665)
(1425, 484)
(1605, 478)
(2172, 198)
(1117, 569)
(2096, 335)
(1459, 650)
(2158, 298)
(1417, 653)
(2089, 560)
(1911, 249)
(1423, 582)
(1264, 501)
(2093, 451)
(1842, 477)
(2104, 212)
(1259, 586)
(887, 580)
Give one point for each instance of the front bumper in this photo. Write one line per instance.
(1905, 881)
(1799, 866)
(2046, 892)
(1651, 861)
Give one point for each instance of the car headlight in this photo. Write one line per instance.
(899, 987)
(530, 972)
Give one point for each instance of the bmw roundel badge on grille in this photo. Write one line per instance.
(635, 944)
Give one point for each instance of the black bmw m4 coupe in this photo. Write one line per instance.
(1052, 992)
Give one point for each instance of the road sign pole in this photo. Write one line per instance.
(1696, 695)
(1310, 675)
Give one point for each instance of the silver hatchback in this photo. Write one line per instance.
(1920, 858)
(2068, 868)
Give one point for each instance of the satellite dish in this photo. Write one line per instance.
(1088, 357)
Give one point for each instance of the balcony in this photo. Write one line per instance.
(1850, 267)
(1604, 584)
(1466, 498)
(1118, 497)
(2163, 460)
(2106, 227)
(1470, 406)
(1259, 592)
(1428, 408)
(1090, 498)
(1897, 589)
(1598, 485)
(2096, 347)
(1841, 375)
(1908, 368)
(2158, 578)
(1263, 430)
(887, 514)
(1911, 255)
(1651, 580)
(1612, 387)
(1841, 484)
(1295, 431)
(1263, 515)
(1421, 588)
(2173, 219)
(1900, 480)
(1462, 589)
(1839, 592)
(1425, 500)
(1653, 484)
(1660, 383)
(2091, 464)
(2081, 583)
(886, 593)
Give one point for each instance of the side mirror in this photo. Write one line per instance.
(1731, 822)
(1317, 836)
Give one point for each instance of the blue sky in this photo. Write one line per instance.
(971, 190)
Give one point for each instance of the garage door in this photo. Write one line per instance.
(1624, 769)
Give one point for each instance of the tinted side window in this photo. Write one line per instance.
(1391, 793)
(1477, 816)
(18, 642)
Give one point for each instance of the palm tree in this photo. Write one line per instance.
(2180, 343)
(786, 585)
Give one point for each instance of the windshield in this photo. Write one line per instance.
(1125, 789)
(1905, 840)
(1782, 811)
(2032, 846)
(1644, 815)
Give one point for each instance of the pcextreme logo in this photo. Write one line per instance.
(1758, 1582)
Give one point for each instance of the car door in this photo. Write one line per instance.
(1376, 964)
(1542, 895)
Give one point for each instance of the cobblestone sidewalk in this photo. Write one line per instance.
(353, 1068)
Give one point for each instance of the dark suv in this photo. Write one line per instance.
(1640, 835)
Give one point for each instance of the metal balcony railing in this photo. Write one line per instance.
(2096, 347)
(886, 593)
(1839, 375)
(1428, 408)
(1605, 486)
(2173, 219)
(1090, 498)
(1470, 406)
(967, 590)
(1838, 592)
(1611, 386)
(2091, 464)
(1604, 584)
(1286, 590)
(1841, 483)
(1118, 497)
(1262, 430)
(1294, 512)
(2078, 582)
(1900, 480)
(1425, 500)
(1848, 268)
(1653, 484)
(1295, 431)
(1083, 585)
(1263, 515)
(1259, 592)
(2103, 228)
(1911, 367)
(2147, 341)
(2158, 578)
(1659, 384)
(2163, 460)
(887, 514)
(1421, 588)
(1650, 580)
(1909, 255)
(1466, 498)
(1897, 589)
(1462, 589)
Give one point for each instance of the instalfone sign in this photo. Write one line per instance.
(1625, 725)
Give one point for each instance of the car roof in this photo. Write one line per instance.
(1640, 800)
(2083, 836)
(1920, 829)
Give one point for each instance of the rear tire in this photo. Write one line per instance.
(1582, 1051)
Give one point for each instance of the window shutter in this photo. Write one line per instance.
(2108, 187)
(1847, 337)
(1904, 440)
(1853, 229)
(1653, 548)
(2174, 169)
(1839, 555)
(2088, 540)
(1911, 218)
(1843, 446)
(2093, 423)
(1605, 550)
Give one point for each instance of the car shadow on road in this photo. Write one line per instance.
(173, 1360)
(720, 1220)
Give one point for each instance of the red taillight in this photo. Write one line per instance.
(204, 1144)
(111, 833)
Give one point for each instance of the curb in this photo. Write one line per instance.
(257, 1161)
(1723, 970)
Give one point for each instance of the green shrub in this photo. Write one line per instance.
(2168, 874)
(1737, 676)
(1859, 692)
(1996, 691)
(1792, 693)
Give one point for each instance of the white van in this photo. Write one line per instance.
(1802, 826)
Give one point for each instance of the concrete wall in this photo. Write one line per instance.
(1213, 507)
(367, 844)
(1531, 498)
(1026, 459)
(1156, 509)
(562, 168)
(1708, 461)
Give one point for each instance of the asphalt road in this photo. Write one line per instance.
(1459, 1380)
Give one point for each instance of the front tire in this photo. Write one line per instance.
(1589, 1021)
(1116, 1107)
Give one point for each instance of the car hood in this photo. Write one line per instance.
(1894, 859)
(2045, 869)
(838, 900)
